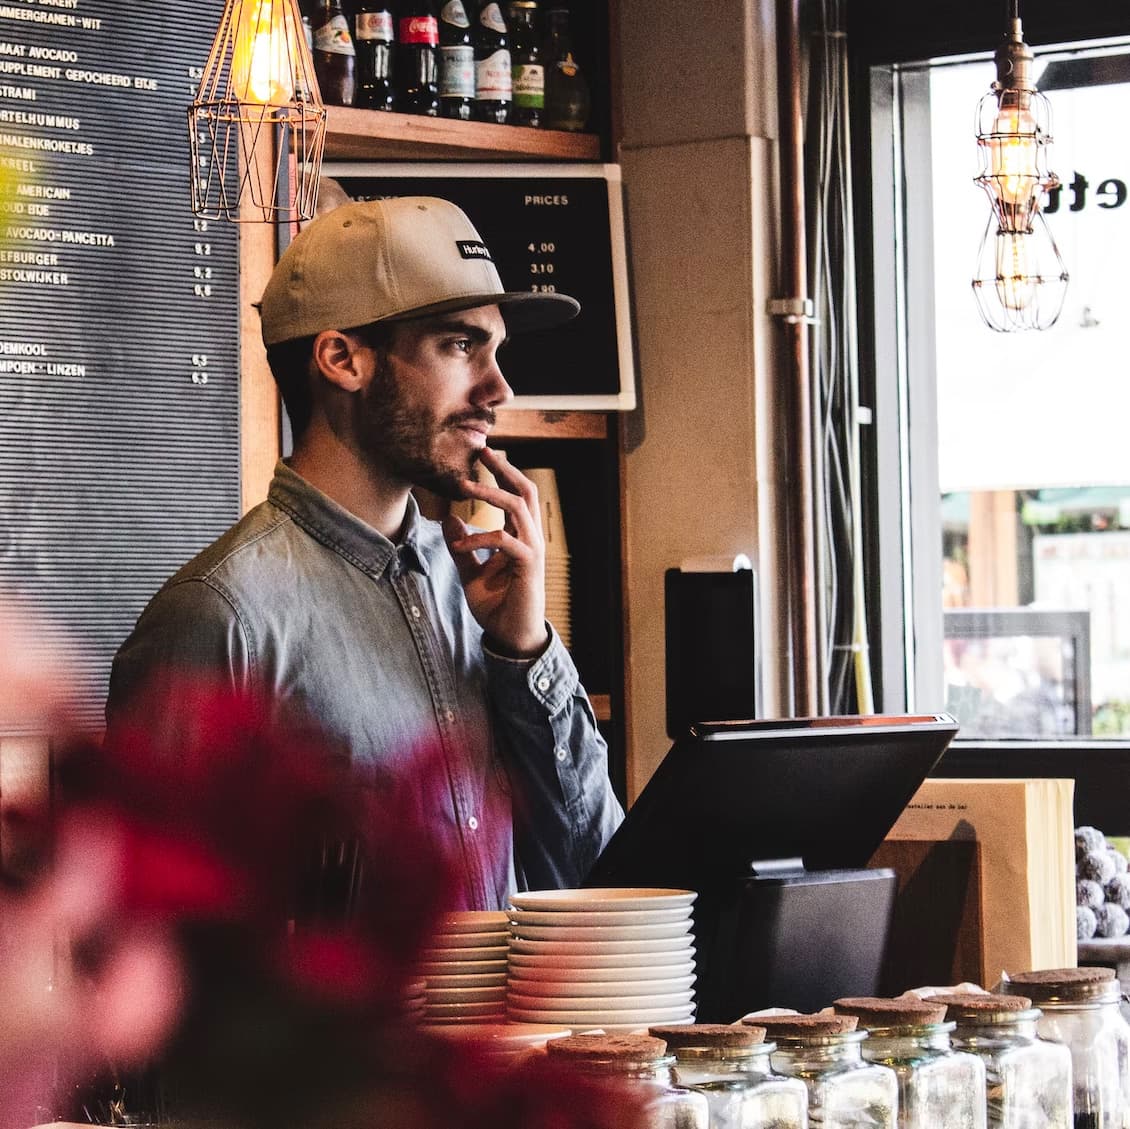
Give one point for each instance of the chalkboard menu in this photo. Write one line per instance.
(550, 228)
(119, 336)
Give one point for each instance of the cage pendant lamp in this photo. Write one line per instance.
(257, 125)
(1020, 281)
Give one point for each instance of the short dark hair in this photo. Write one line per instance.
(291, 365)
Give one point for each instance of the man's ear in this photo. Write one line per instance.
(338, 359)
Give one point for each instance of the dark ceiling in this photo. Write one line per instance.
(883, 31)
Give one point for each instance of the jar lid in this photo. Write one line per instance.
(607, 1048)
(877, 1011)
(803, 1026)
(714, 1035)
(983, 1006)
(1063, 985)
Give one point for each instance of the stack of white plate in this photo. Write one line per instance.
(618, 960)
(464, 969)
(415, 998)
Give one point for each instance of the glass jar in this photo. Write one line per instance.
(730, 1066)
(1027, 1079)
(1082, 1009)
(642, 1062)
(939, 1088)
(823, 1052)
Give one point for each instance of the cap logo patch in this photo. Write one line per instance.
(473, 249)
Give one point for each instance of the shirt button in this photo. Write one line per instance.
(450, 715)
(543, 684)
(473, 823)
(415, 612)
(561, 754)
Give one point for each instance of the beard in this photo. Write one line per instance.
(402, 440)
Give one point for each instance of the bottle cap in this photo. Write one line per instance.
(803, 1026)
(907, 1011)
(712, 1035)
(982, 1006)
(1063, 985)
(607, 1048)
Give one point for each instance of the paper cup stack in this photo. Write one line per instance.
(464, 969)
(616, 959)
(479, 514)
(558, 601)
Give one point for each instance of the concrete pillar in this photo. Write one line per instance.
(699, 160)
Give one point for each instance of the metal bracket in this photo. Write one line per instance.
(792, 310)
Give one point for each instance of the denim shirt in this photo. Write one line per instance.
(375, 642)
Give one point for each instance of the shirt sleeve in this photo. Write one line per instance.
(189, 630)
(557, 760)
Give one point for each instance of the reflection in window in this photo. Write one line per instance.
(1032, 462)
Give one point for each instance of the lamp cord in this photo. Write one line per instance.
(836, 369)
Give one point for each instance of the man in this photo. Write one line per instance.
(382, 323)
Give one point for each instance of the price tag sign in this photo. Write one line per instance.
(550, 229)
(119, 318)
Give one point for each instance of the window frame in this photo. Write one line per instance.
(889, 46)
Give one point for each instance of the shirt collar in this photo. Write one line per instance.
(343, 532)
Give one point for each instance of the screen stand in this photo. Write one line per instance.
(800, 939)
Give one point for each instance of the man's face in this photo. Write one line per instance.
(427, 411)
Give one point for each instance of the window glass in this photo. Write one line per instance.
(1032, 457)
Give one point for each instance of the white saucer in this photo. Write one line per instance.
(581, 985)
(472, 921)
(466, 995)
(600, 1003)
(461, 968)
(491, 980)
(673, 949)
(602, 918)
(564, 932)
(598, 1018)
(460, 941)
(564, 968)
(470, 955)
(611, 898)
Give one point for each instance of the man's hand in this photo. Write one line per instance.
(506, 593)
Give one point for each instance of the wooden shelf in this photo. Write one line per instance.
(520, 423)
(372, 134)
(601, 706)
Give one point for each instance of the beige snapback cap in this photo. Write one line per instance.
(391, 260)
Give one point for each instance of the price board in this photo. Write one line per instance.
(551, 228)
(119, 334)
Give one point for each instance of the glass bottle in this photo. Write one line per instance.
(417, 63)
(1027, 1079)
(456, 62)
(1081, 1008)
(526, 65)
(824, 1052)
(939, 1088)
(729, 1065)
(335, 58)
(374, 35)
(567, 99)
(642, 1062)
(493, 80)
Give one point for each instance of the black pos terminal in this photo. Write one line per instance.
(772, 823)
